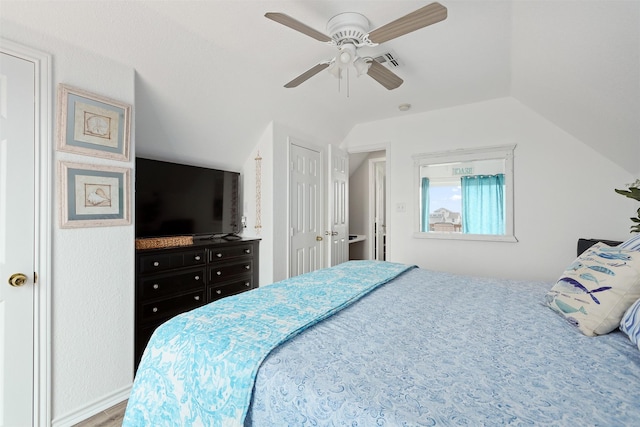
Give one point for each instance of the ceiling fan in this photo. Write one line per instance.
(349, 31)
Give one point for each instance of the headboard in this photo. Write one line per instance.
(584, 244)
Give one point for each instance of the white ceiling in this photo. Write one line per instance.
(210, 74)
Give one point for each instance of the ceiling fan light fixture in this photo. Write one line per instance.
(362, 65)
(347, 54)
(335, 69)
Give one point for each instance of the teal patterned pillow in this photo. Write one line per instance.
(630, 323)
(594, 292)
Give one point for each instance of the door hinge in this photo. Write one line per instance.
(35, 278)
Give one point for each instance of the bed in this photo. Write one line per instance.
(410, 347)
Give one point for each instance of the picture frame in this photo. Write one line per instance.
(93, 125)
(93, 196)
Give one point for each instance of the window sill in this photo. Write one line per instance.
(460, 236)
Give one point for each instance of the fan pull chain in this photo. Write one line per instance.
(347, 82)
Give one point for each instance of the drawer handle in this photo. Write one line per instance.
(247, 284)
(219, 255)
(219, 273)
(197, 277)
(197, 298)
(219, 292)
(247, 267)
(197, 257)
(156, 286)
(156, 263)
(154, 309)
(247, 251)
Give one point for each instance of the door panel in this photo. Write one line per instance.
(17, 234)
(305, 221)
(338, 232)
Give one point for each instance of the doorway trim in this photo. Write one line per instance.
(368, 149)
(42, 224)
(373, 163)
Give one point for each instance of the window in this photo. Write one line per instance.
(465, 194)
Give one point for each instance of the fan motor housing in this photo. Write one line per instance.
(349, 27)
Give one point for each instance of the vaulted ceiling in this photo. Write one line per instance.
(210, 74)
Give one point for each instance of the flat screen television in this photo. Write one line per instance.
(175, 199)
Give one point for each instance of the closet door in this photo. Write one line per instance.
(17, 224)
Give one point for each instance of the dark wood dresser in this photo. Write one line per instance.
(170, 281)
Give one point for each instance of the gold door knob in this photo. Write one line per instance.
(319, 238)
(17, 280)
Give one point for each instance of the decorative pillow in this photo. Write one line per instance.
(632, 244)
(630, 323)
(594, 292)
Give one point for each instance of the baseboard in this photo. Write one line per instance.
(93, 408)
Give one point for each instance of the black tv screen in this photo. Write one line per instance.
(175, 200)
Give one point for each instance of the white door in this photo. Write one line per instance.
(17, 264)
(338, 203)
(380, 224)
(305, 217)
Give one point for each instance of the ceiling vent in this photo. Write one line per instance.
(389, 58)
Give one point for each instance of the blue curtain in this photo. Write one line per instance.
(483, 207)
(424, 205)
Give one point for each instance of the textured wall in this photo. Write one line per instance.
(92, 268)
(563, 189)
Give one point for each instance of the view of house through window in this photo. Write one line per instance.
(445, 202)
(466, 197)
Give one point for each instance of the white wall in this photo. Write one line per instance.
(92, 268)
(266, 233)
(563, 189)
(578, 64)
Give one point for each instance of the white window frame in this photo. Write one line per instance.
(466, 155)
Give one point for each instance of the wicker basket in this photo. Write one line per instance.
(164, 242)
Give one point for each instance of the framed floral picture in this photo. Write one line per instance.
(93, 196)
(93, 125)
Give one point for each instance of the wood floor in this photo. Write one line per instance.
(111, 417)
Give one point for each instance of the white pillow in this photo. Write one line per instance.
(630, 323)
(631, 244)
(594, 292)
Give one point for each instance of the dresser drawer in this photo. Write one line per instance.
(222, 273)
(169, 283)
(170, 307)
(230, 288)
(159, 262)
(223, 253)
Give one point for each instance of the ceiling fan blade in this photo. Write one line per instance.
(292, 23)
(427, 15)
(307, 74)
(384, 76)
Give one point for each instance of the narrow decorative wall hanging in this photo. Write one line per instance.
(258, 225)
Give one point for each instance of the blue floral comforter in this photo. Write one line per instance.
(431, 349)
(199, 367)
